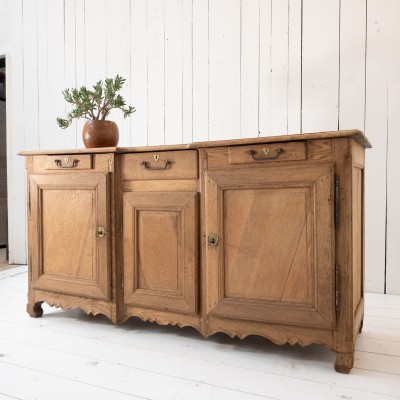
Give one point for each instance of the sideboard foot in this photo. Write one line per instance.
(361, 326)
(344, 362)
(35, 310)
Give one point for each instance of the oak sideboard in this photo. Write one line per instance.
(261, 236)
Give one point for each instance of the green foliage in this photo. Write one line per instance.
(95, 104)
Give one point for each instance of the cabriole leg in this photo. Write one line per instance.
(35, 309)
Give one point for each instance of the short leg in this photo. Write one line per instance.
(35, 309)
(361, 326)
(344, 362)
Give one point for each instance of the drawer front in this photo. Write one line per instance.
(160, 165)
(266, 153)
(68, 162)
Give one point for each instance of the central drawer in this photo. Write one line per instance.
(160, 165)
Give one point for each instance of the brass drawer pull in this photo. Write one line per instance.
(147, 165)
(66, 165)
(266, 150)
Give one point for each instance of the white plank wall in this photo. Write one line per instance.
(320, 65)
(114, 62)
(71, 138)
(138, 74)
(279, 67)
(376, 127)
(393, 159)
(200, 68)
(215, 69)
(249, 67)
(173, 108)
(224, 69)
(294, 92)
(264, 92)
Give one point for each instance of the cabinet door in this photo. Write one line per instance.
(160, 250)
(68, 255)
(273, 261)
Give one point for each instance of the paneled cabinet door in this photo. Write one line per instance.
(160, 250)
(273, 260)
(70, 234)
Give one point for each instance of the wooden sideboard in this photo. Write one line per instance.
(260, 236)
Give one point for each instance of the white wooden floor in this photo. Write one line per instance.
(68, 355)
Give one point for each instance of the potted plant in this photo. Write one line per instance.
(95, 105)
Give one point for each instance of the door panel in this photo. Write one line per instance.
(160, 250)
(67, 256)
(277, 218)
(268, 263)
(64, 252)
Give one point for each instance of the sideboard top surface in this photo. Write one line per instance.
(355, 134)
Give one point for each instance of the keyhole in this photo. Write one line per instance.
(213, 240)
(100, 232)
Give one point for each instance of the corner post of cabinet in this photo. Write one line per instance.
(28, 166)
(33, 308)
(116, 238)
(344, 333)
(204, 326)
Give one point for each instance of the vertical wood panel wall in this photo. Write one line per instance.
(216, 69)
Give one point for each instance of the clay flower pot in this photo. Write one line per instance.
(99, 133)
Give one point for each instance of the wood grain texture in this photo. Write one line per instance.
(349, 252)
(278, 334)
(66, 211)
(83, 161)
(223, 244)
(159, 185)
(271, 153)
(160, 250)
(355, 134)
(182, 165)
(319, 149)
(257, 213)
(68, 301)
(86, 163)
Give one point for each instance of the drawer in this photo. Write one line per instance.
(160, 165)
(68, 162)
(266, 153)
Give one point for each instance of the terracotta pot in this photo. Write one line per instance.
(100, 134)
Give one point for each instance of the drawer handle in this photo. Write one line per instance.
(147, 165)
(253, 154)
(60, 164)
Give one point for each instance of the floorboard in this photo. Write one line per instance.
(67, 354)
